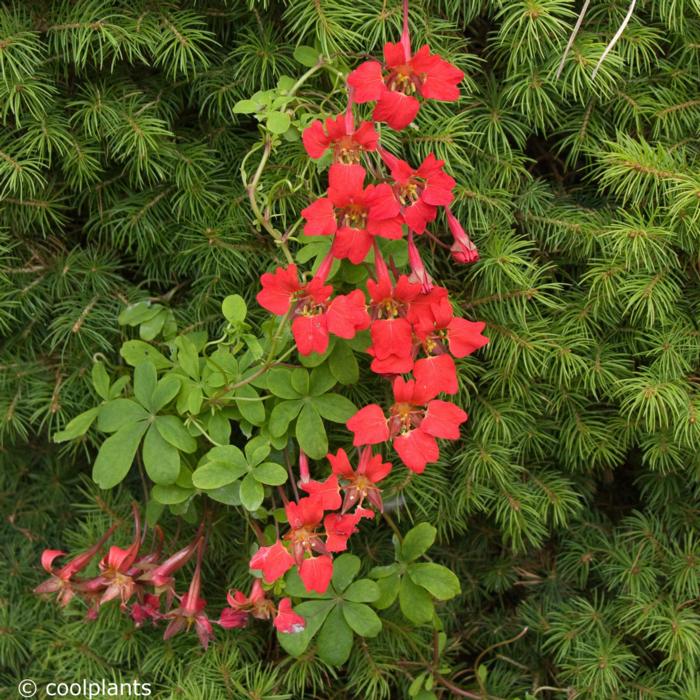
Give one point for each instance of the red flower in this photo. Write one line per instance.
(362, 483)
(463, 250)
(315, 316)
(354, 213)
(273, 561)
(242, 606)
(191, 610)
(62, 580)
(415, 420)
(161, 576)
(286, 620)
(420, 191)
(341, 136)
(439, 330)
(403, 76)
(390, 329)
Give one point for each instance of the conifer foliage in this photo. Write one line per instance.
(173, 173)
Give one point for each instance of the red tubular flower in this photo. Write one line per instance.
(354, 213)
(462, 250)
(116, 579)
(340, 135)
(161, 576)
(61, 580)
(286, 620)
(415, 420)
(403, 76)
(315, 316)
(242, 606)
(420, 191)
(191, 610)
(362, 483)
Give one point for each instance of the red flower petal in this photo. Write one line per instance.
(315, 140)
(442, 420)
(274, 561)
(310, 333)
(416, 449)
(338, 530)
(464, 337)
(396, 109)
(369, 425)
(391, 336)
(320, 218)
(367, 82)
(340, 464)
(316, 573)
(352, 243)
(347, 314)
(326, 492)
(437, 372)
(277, 289)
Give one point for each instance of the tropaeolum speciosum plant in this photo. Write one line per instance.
(172, 413)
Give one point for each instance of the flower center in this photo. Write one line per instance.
(354, 216)
(347, 151)
(409, 193)
(402, 79)
(404, 418)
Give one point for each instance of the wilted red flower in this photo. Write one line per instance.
(286, 620)
(62, 580)
(191, 609)
(339, 134)
(354, 213)
(148, 609)
(420, 191)
(415, 420)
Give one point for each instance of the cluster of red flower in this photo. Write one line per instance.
(144, 584)
(412, 329)
(410, 320)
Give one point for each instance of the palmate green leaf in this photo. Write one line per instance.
(214, 475)
(310, 433)
(415, 602)
(345, 568)
(252, 493)
(321, 380)
(279, 383)
(135, 352)
(362, 591)
(171, 494)
(187, 356)
(270, 473)
(160, 458)
(250, 405)
(362, 619)
(117, 413)
(173, 431)
(78, 426)
(335, 638)
(388, 590)
(145, 379)
(334, 407)
(438, 580)
(299, 379)
(166, 390)
(418, 541)
(282, 415)
(229, 494)
(117, 454)
(306, 55)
